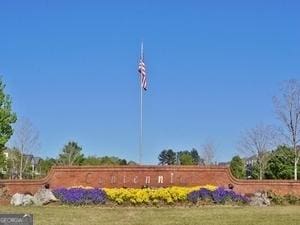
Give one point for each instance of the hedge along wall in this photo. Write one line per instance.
(152, 176)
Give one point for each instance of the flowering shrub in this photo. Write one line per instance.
(88, 195)
(151, 196)
(80, 196)
(219, 195)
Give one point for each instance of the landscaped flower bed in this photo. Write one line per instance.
(80, 196)
(148, 196)
(218, 196)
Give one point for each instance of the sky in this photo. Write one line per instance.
(212, 69)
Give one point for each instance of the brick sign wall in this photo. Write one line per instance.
(152, 176)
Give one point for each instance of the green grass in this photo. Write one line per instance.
(208, 215)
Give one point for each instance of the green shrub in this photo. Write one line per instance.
(291, 199)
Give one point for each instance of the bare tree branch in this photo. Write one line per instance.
(208, 152)
(26, 140)
(258, 141)
(287, 108)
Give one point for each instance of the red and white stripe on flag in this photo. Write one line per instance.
(142, 71)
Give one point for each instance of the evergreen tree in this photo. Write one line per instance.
(167, 157)
(281, 164)
(7, 119)
(71, 155)
(195, 156)
(237, 167)
(186, 158)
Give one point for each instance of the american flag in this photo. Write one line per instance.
(142, 71)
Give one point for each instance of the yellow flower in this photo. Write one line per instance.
(152, 196)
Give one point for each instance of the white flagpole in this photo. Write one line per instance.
(141, 111)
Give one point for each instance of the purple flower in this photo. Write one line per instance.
(193, 197)
(80, 196)
(220, 195)
(201, 194)
(205, 193)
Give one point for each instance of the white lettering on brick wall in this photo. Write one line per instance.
(160, 179)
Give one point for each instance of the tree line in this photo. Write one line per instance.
(275, 150)
(280, 165)
(170, 157)
(186, 157)
(18, 167)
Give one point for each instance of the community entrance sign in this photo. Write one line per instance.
(149, 176)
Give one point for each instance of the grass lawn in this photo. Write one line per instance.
(208, 215)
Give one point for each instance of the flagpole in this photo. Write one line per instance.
(141, 128)
(141, 113)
